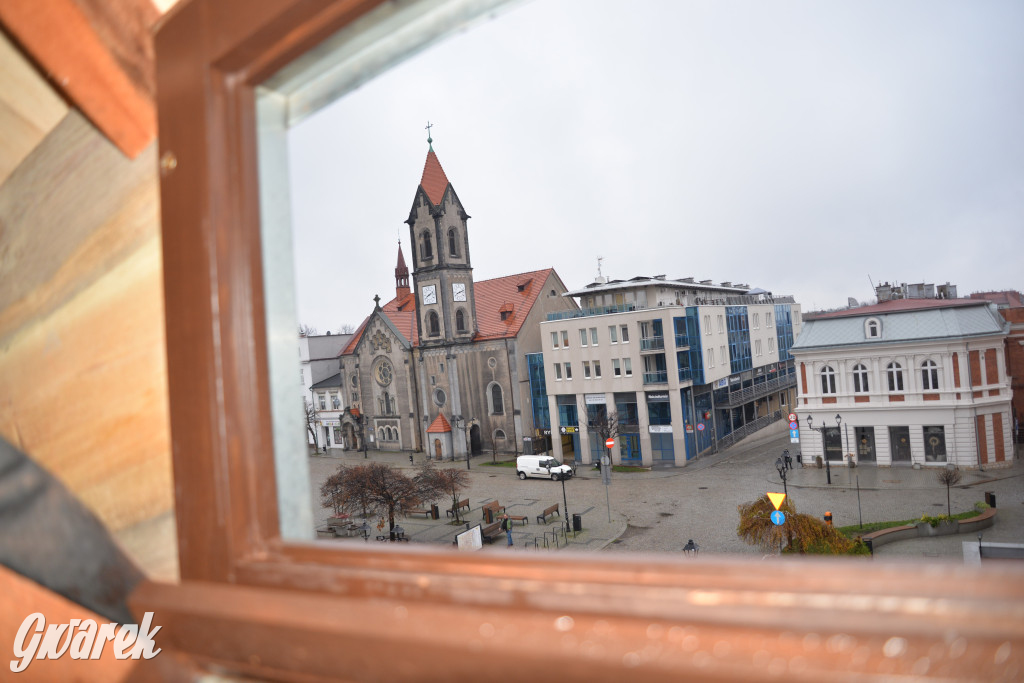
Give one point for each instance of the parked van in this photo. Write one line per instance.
(541, 466)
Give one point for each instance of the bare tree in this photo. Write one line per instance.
(375, 489)
(346, 491)
(605, 424)
(346, 328)
(306, 330)
(449, 480)
(950, 476)
(310, 411)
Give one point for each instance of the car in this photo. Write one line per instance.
(541, 466)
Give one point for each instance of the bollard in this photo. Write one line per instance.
(828, 518)
(410, 459)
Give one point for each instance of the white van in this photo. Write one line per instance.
(541, 466)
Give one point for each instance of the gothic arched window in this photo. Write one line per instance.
(426, 249)
(433, 324)
(496, 399)
(453, 242)
(460, 321)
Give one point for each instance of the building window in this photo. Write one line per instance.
(929, 376)
(433, 324)
(711, 358)
(771, 344)
(860, 379)
(935, 444)
(767, 319)
(439, 397)
(460, 321)
(496, 399)
(565, 339)
(558, 371)
(707, 324)
(627, 366)
(757, 347)
(568, 371)
(554, 340)
(828, 380)
(335, 402)
(586, 369)
(583, 337)
(613, 334)
(616, 367)
(593, 336)
(355, 396)
(453, 242)
(597, 369)
(426, 250)
(624, 330)
(895, 373)
(499, 434)
(757, 321)
(721, 324)
(873, 328)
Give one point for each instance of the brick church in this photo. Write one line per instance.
(442, 367)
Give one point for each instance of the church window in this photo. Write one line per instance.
(453, 242)
(495, 399)
(460, 321)
(433, 324)
(426, 249)
(499, 435)
(439, 397)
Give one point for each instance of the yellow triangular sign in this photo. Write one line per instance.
(776, 499)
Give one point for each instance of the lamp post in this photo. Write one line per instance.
(397, 532)
(362, 432)
(691, 549)
(781, 467)
(824, 453)
(565, 502)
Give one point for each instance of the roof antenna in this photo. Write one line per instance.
(430, 140)
(599, 277)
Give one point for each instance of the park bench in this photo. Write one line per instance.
(492, 510)
(463, 504)
(419, 511)
(542, 518)
(491, 532)
(519, 518)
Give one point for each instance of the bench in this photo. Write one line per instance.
(463, 504)
(489, 533)
(542, 518)
(419, 511)
(519, 518)
(495, 510)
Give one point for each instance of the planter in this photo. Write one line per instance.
(924, 529)
(818, 461)
(946, 528)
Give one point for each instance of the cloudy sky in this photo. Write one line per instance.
(807, 148)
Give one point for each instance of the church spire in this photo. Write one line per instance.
(401, 275)
(434, 182)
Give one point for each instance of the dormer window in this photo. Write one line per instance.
(873, 328)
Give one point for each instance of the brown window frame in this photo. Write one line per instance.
(252, 603)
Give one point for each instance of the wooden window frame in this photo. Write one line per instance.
(252, 603)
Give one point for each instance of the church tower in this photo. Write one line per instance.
(442, 272)
(401, 275)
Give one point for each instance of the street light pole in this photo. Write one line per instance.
(781, 467)
(362, 432)
(824, 453)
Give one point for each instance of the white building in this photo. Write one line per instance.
(914, 382)
(318, 362)
(686, 366)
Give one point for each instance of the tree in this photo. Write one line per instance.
(449, 480)
(950, 476)
(604, 424)
(306, 330)
(803, 534)
(374, 489)
(310, 411)
(346, 328)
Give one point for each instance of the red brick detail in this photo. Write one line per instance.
(956, 371)
(979, 424)
(861, 399)
(931, 397)
(977, 394)
(803, 378)
(997, 436)
(958, 395)
(805, 401)
(828, 399)
(896, 398)
(991, 367)
(975, 368)
(993, 392)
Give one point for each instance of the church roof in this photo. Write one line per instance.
(439, 425)
(434, 182)
(401, 268)
(330, 382)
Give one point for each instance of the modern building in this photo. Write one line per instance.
(442, 367)
(684, 366)
(907, 381)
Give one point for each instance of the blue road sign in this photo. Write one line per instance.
(794, 425)
(778, 518)
(794, 434)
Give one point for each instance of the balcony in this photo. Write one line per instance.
(682, 342)
(659, 377)
(652, 343)
(738, 398)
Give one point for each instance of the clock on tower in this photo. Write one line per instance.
(458, 291)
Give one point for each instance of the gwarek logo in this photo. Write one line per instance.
(84, 640)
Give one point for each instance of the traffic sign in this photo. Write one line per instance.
(778, 518)
(610, 443)
(794, 434)
(791, 417)
(776, 498)
(700, 427)
(794, 425)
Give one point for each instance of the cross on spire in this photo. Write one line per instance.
(430, 140)
(376, 301)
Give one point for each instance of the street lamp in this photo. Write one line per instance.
(824, 453)
(781, 467)
(397, 532)
(562, 476)
(691, 549)
(362, 431)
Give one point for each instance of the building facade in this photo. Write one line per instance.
(442, 367)
(318, 365)
(912, 381)
(685, 368)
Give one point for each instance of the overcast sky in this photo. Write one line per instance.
(801, 147)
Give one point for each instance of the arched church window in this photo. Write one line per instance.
(460, 320)
(453, 242)
(433, 324)
(426, 249)
(495, 399)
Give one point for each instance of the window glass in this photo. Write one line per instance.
(568, 371)
(613, 334)
(929, 376)
(860, 379)
(935, 444)
(616, 367)
(828, 380)
(593, 336)
(554, 340)
(627, 366)
(558, 371)
(583, 337)
(586, 369)
(624, 329)
(597, 369)
(565, 339)
(894, 371)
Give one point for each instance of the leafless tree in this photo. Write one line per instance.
(449, 480)
(375, 489)
(949, 476)
(605, 424)
(346, 328)
(310, 411)
(306, 330)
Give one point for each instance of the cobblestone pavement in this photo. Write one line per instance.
(658, 511)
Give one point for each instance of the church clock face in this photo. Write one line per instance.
(383, 373)
(429, 295)
(459, 291)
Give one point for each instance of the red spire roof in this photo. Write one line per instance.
(401, 268)
(439, 425)
(434, 182)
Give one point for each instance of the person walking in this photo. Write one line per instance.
(506, 526)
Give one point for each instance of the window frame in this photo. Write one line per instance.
(929, 375)
(894, 377)
(237, 574)
(861, 379)
(827, 374)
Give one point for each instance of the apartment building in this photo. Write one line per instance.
(684, 366)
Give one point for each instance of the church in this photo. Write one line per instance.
(442, 367)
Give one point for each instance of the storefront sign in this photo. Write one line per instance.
(722, 383)
(660, 429)
(569, 430)
(594, 399)
(658, 396)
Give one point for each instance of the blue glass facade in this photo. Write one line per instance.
(784, 330)
(538, 391)
(690, 362)
(739, 338)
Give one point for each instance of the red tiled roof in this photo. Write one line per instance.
(405, 322)
(406, 302)
(439, 425)
(1009, 298)
(894, 306)
(502, 294)
(434, 182)
(356, 336)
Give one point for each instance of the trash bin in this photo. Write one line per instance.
(828, 518)
(800, 459)
(488, 516)
(434, 511)
(990, 498)
(577, 522)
